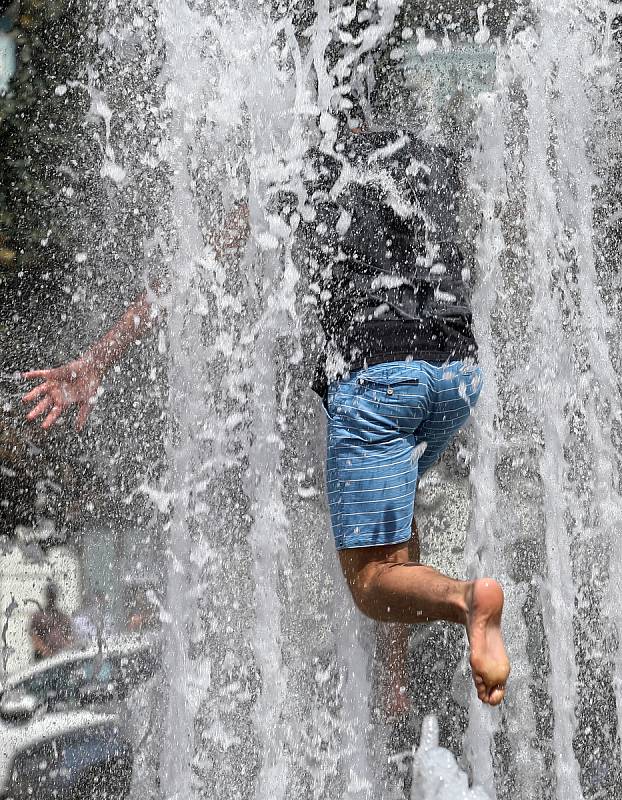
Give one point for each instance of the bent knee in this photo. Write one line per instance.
(364, 588)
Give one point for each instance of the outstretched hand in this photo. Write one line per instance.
(75, 383)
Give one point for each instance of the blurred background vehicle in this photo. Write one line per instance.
(67, 729)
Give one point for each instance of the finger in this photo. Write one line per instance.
(36, 373)
(34, 393)
(52, 417)
(83, 414)
(39, 409)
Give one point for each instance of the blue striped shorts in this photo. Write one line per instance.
(387, 425)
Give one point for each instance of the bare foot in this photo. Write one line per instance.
(489, 660)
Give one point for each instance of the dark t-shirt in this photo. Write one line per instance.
(380, 244)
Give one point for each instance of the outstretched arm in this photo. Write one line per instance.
(78, 382)
(131, 327)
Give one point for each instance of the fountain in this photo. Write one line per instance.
(270, 689)
(268, 665)
(537, 163)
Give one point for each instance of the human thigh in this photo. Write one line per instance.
(371, 472)
(453, 396)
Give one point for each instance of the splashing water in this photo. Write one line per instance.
(268, 665)
(548, 466)
(436, 775)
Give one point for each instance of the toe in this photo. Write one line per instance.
(496, 695)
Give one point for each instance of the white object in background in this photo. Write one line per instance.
(7, 61)
(436, 775)
(455, 67)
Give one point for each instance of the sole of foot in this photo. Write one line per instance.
(489, 660)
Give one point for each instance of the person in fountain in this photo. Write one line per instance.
(398, 378)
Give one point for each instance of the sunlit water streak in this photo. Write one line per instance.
(482, 553)
(535, 175)
(250, 79)
(189, 404)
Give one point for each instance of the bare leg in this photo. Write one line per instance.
(392, 647)
(392, 642)
(387, 587)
